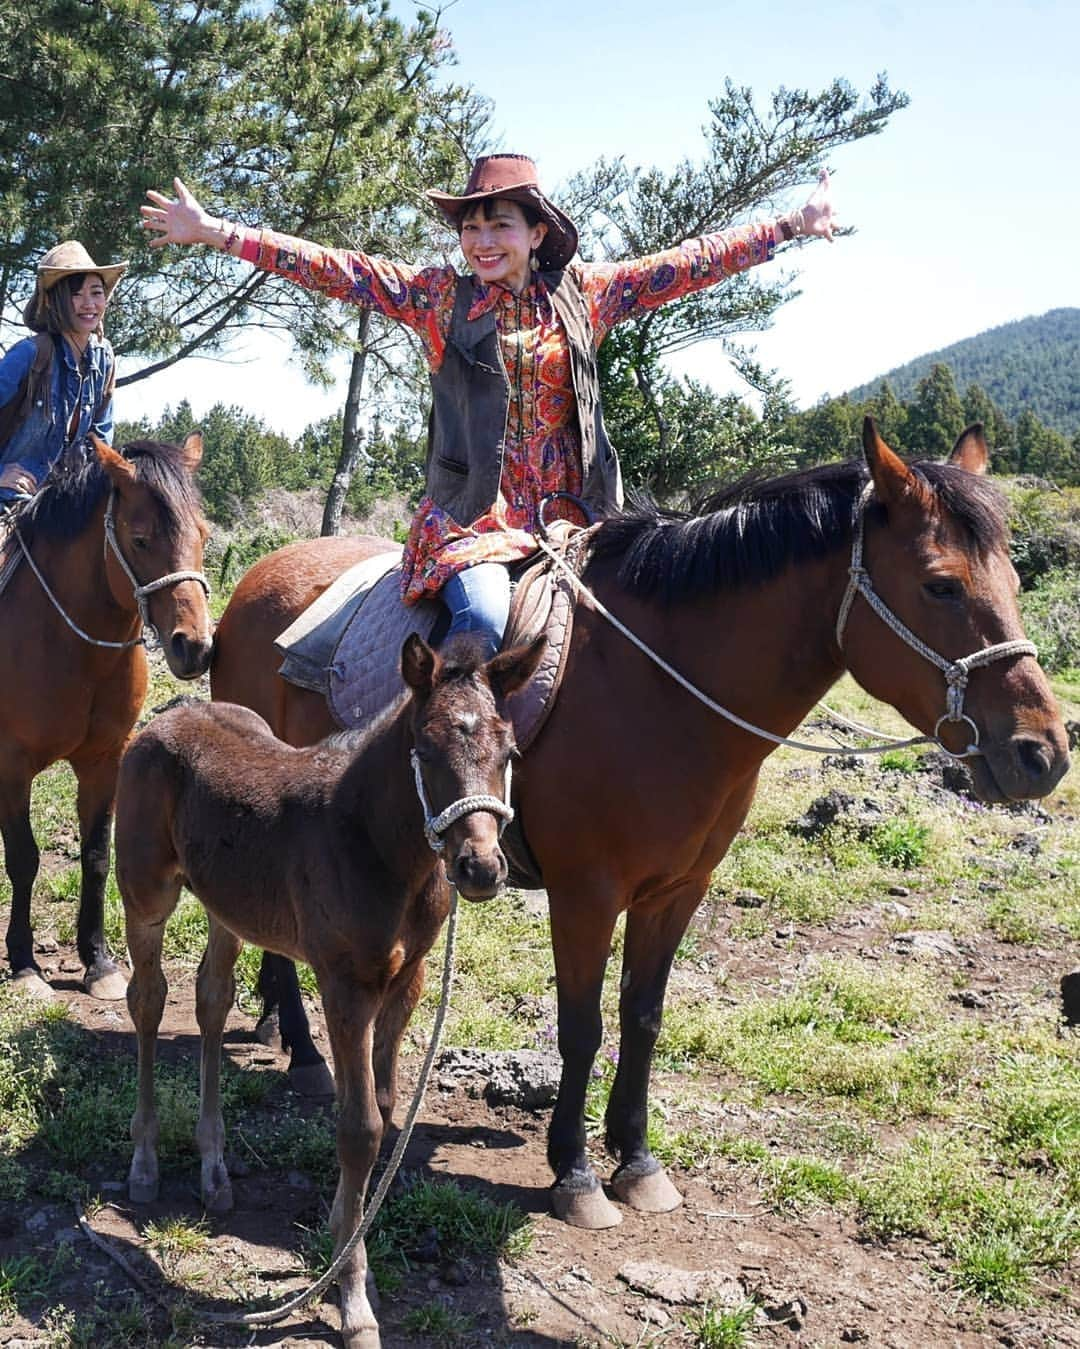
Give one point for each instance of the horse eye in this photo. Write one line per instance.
(943, 590)
(140, 542)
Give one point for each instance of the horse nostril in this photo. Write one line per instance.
(189, 658)
(1035, 757)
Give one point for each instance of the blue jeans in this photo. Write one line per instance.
(479, 601)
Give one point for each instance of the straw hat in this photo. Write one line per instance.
(514, 177)
(69, 259)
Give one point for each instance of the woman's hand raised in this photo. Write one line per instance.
(818, 215)
(182, 221)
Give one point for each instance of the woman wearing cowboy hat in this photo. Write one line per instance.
(511, 347)
(56, 387)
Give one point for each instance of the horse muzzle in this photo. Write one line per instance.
(479, 873)
(1023, 768)
(187, 657)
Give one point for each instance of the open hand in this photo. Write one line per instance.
(818, 215)
(182, 221)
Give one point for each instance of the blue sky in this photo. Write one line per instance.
(967, 206)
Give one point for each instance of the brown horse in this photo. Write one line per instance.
(634, 790)
(319, 854)
(112, 542)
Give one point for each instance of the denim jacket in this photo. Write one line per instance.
(35, 446)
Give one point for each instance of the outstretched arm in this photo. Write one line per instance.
(624, 290)
(409, 295)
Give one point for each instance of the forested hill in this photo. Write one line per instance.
(1032, 364)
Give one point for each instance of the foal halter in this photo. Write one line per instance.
(437, 825)
(956, 672)
(149, 636)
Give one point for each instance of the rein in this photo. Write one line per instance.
(149, 635)
(859, 583)
(437, 825)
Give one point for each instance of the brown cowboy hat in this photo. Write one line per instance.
(514, 177)
(69, 259)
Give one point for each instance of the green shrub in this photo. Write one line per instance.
(1051, 613)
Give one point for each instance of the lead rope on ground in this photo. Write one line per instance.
(275, 1314)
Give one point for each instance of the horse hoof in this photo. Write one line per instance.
(652, 1193)
(313, 1080)
(109, 985)
(31, 984)
(268, 1031)
(590, 1209)
(142, 1191)
(219, 1200)
(361, 1339)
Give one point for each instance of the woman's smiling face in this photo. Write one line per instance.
(497, 246)
(88, 304)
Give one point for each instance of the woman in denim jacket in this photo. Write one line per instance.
(56, 387)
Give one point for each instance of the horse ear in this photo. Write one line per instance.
(893, 480)
(418, 664)
(193, 450)
(119, 469)
(509, 670)
(971, 451)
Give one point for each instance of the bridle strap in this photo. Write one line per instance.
(437, 825)
(956, 672)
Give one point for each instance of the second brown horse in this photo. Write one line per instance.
(633, 791)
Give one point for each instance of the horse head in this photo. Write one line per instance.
(155, 532)
(463, 743)
(936, 571)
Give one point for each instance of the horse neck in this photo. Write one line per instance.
(381, 789)
(767, 652)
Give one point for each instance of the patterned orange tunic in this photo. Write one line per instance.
(542, 451)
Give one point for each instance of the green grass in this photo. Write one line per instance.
(721, 1327)
(467, 1227)
(439, 1325)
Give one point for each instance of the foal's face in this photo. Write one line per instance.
(465, 742)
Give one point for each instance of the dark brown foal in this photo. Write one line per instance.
(319, 854)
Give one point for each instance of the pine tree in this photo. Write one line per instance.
(935, 415)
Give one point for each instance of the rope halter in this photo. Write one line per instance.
(149, 638)
(956, 672)
(437, 825)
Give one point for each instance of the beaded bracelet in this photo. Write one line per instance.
(232, 236)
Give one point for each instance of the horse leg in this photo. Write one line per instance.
(97, 789)
(280, 991)
(652, 936)
(426, 917)
(581, 939)
(215, 989)
(146, 1003)
(351, 1007)
(21, 859)
(397, 1008)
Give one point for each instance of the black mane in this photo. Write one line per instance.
(752, 530)
(77, 484)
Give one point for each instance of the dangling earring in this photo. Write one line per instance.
(534, 262)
